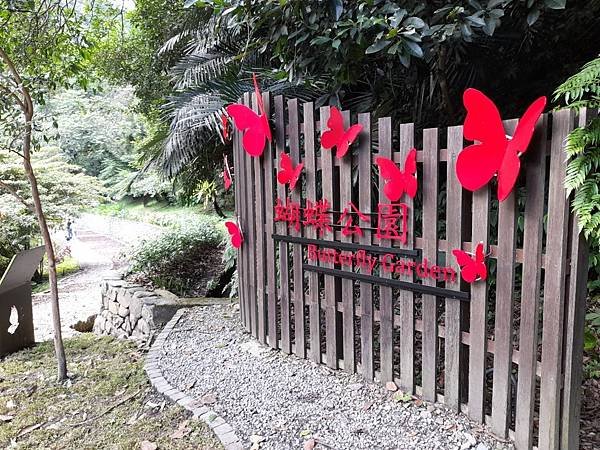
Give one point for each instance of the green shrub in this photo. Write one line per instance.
(183, 260)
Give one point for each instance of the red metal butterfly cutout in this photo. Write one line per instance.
(495, 153)
(288, 173)
(397, 181)
(472, 267)
(225, 126)
(226, 174)
(337, 136)
(235, 234)
(254, 126)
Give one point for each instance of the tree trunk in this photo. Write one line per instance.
(59, 348)
(26, 105)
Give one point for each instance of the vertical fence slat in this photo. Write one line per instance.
(554, 283)
(454, 216)
(366, 289)
(407, 298)
(347, 285)
(294, 140)
(386, 304)
(270, 261)
(331, 331)
(575, 320)
(478, 310)
(430, 234)
(284, 284)
(310, 169)
(238, 180)
(251, 237)
(259, 192)
(530, 291)
(503, 329)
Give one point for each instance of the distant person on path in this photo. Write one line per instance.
(69, 229)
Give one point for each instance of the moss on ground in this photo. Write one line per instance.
(107, 403)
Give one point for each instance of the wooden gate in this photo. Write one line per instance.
(507, 352)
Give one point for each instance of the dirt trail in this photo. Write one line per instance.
(98, 241)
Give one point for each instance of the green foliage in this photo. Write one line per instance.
(64, 190)
(177, 259)
(583, 151)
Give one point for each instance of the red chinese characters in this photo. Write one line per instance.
(289, 212)
(317, 215)
(391, 221)
(347, 220)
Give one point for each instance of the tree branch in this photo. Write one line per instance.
(16, 195)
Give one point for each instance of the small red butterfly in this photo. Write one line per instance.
(397, 182)
(235, 233)
(471, 268)
(288, 173)
(254, 126)
(336, 136)
(495, 153)
(225, 126)
(226, 174)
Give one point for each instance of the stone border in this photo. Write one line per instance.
(224, 432)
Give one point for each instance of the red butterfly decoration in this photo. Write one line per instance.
(397, 182)
(288, 173)
(225, 126)
(471, 269)
(254, 126)
(226, 174)
(235, 233)
(495, 153)
(336, 136)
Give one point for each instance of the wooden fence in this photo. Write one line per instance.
(508, 353)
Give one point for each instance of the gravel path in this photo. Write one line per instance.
(288, 401)
(98, 241)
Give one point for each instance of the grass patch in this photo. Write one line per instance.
(156, 213)
(89, 411)
(68, 266)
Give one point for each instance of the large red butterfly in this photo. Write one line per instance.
(337, 136)
(254, 126)
(226, 174)
(495, 153)
(235, 234)
(288, 173)
(397, 182)
(472, 267)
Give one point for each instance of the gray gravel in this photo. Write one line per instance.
(288, 401)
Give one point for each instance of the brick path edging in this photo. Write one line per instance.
(224, 432)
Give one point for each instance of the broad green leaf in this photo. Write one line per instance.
(377, 46)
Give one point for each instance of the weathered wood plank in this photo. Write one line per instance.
(554, 287)
(530, 291)
(298, 293)
(366, 290)
(331, 329)
(259, 189)
(503, 329)
(281, 227)
(238, 177)
(251, 237)
(575, 320)
(270, 260)
(386, 324)
(407, 298)
(479, 310)
(430, 233)
(347, 285)
(314, 300)
(454, 219)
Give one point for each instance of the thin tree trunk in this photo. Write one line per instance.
(26, 105)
